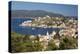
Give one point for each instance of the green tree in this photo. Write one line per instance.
(51, 45)
(22, 43)
(68, 43)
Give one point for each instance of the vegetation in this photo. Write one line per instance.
(68, 43)
(44, 19)
(23, 43)
(52, 46)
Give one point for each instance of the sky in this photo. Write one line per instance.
(66, 10)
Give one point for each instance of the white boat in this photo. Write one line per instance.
(33, 28)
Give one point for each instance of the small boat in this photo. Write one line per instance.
(33, 28)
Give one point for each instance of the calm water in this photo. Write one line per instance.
(15, 22)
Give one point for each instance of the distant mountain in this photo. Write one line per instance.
(33, 13)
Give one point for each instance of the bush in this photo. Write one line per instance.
(22, 43)
(68, 43)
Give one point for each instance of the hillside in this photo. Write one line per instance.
(33, 13)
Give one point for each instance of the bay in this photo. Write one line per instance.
(15, 22)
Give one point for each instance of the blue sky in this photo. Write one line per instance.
(66, 10)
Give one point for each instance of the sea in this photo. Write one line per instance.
(15, 22)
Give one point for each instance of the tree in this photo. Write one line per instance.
(22, 43)
(51, 45)
(68, 43)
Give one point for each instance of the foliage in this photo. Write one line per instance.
(52, 46)
(22, 43)
(68, 43)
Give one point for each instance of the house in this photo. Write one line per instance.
(67, 32)
(44, 39)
